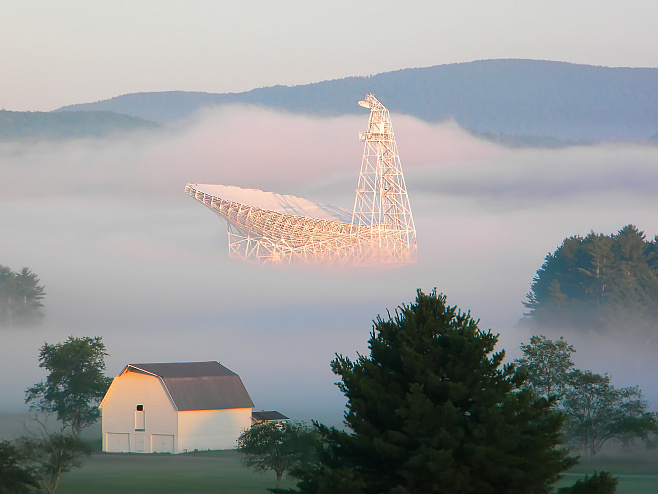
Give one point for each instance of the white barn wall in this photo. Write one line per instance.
(211, 429)
(129, 390)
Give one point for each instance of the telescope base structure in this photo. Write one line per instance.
(271, 237)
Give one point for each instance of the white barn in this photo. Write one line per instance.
(174, 408)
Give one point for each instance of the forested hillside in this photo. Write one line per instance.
(600, 282)
(48, 125)
(542, 99)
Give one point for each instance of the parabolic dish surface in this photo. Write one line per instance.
(280, 203)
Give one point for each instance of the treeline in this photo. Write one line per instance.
(20, 297)
(598, 282)
(70, 124)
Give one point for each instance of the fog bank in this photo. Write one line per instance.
(126, 255)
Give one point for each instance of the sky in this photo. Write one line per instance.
(74, 51)
(126, 255)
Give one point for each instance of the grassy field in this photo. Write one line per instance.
(217, 472)
(222, 472)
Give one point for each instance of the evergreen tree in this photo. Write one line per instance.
(556, 289)
(600, 282)
(29, 296)
(597, 276)
(20, 297)
(7, 295)
(431, 410)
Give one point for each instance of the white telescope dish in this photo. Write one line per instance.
(266, 227)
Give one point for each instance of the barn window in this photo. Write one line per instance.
(140, 419)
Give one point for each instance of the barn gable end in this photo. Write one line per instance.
(174, 407)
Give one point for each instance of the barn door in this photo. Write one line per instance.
(139, 442)
(162, 443)
(117, 442)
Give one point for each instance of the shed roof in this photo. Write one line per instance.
(199, 385)
(268, 415)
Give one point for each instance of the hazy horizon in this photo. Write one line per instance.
(72, 51)
(125, 254)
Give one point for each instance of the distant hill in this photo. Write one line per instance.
(539, 99)
(66, 124)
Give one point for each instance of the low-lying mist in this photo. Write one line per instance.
(126, 255)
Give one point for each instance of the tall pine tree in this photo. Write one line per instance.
(20, 297)
(600, 282)
(431, 410)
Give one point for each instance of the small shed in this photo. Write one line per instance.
(268, 416)
(174, 408)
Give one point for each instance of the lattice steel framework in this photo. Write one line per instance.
(381, 232)
(381, 195)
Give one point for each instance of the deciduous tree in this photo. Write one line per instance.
(51, 454)
(15, 476)
(76, 383)
(598, 483)
(431, 410)
(597, 412)
(277, 446)
(547, 364)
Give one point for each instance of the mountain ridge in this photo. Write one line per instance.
(506, 97)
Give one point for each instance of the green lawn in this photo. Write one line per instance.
(217, 472)
(637, 471)
(205, 472)
(222, 472)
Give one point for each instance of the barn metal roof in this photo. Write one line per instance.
(200, 385)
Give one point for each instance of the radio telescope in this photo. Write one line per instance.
(266, 227)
